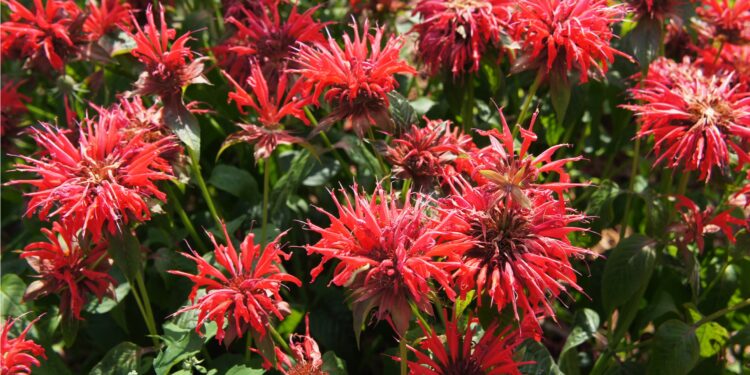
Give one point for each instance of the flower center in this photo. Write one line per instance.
(501, 233)
(464, 366)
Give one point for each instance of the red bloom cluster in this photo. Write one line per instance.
(70, 265)
(305, 353)
(724, 20)
(653, 9)
(697, 121)
(561, 36)
(387, 254)
(12, 106)
(263, 38)
(106, 18)
(248, 296)
(102, 179)
(457, 352)
(731, 58)
(429, 154)
(355, 79)
(168, 69)
(271, 107)
(18, 355)
(456, 34)
(697, 223)
(47, 36)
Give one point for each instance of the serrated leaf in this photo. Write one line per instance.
(402, 113)
(235, 181)
(542, 362)
(675, 349)
(628, 269)
(712, 337)
(183, 123)
(12, 289)
(120, 360)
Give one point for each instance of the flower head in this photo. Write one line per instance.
(355, 79)
(246, 292)
(697, 223)
(561, 36)
(106, 18)
(387, 253)
(731, 58)
(271, 107)
(18, 354)
(104, 179)
(428, 154)
(70, 265)
(510, 172)
(264, 38)
(456, 34)
(168, 69)
(305, 353)
(521, 255)
(47, 36)
(724, 19)
(457, 352)
(653, 9)
(12, 106)
(697, 122)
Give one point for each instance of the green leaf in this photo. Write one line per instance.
(332, 364)
(587, 322)
(675, 349)
(235, 181)
(244, 370)
(645, 41)
(402, 113)
(463, 303)
(69, 328)
(95, 307)
(125, 250)
(559, 90)
(288, 184)
(628, 269)
(542, 362)
(712, 337)
(120, 360)
(290, 323)
(178, 347)
(184, 124)
(12, 289)
(322, 172)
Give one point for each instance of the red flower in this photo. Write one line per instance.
(565, 35)
(168, 70)
(510, 172)
(731, 58)
(355, 79)
(696, 224)
(653, 9)
(456, 352)
(723, 19)
(12, 106)
(696, 121)
(455, 34)
(271, 108)
(306, 355)
(106, 18)
(428, 154)
(521, 254)
(262, 37)
(386, 254)
(247, 292)
(70, 265)
(47, 36)
(106, 179)
(18, 354)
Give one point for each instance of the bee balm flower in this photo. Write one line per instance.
(18, 354)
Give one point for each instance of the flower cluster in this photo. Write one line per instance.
(18, 354)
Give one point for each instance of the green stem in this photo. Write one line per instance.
(195, 166)
(266, 189)
(174, 202)
(529, 96)
(329, 145)
(718, 53)
(403, 353)
(279, 340)
(467, 112)
(722, 312)
(706, 292)
(631, 185)
(149, 317)
(418, 315)
(682, 187)
(381, 162)
(248, 345)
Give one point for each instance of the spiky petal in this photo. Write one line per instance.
(18, 354)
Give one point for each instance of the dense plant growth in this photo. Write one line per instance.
(375, 186)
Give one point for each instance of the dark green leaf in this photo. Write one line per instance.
(176, 349)
(628, 269)
(333, 365)
(645, 40)
(11, 298)
(543, 364)
(559, 90)
(184, 124)
(322, 172)
(235, 181)
(125, 250)
(95, 307)
(244, 370)
(402, 113)
(120, 360)
(675, 349)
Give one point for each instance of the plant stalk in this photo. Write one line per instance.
(195, 166)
